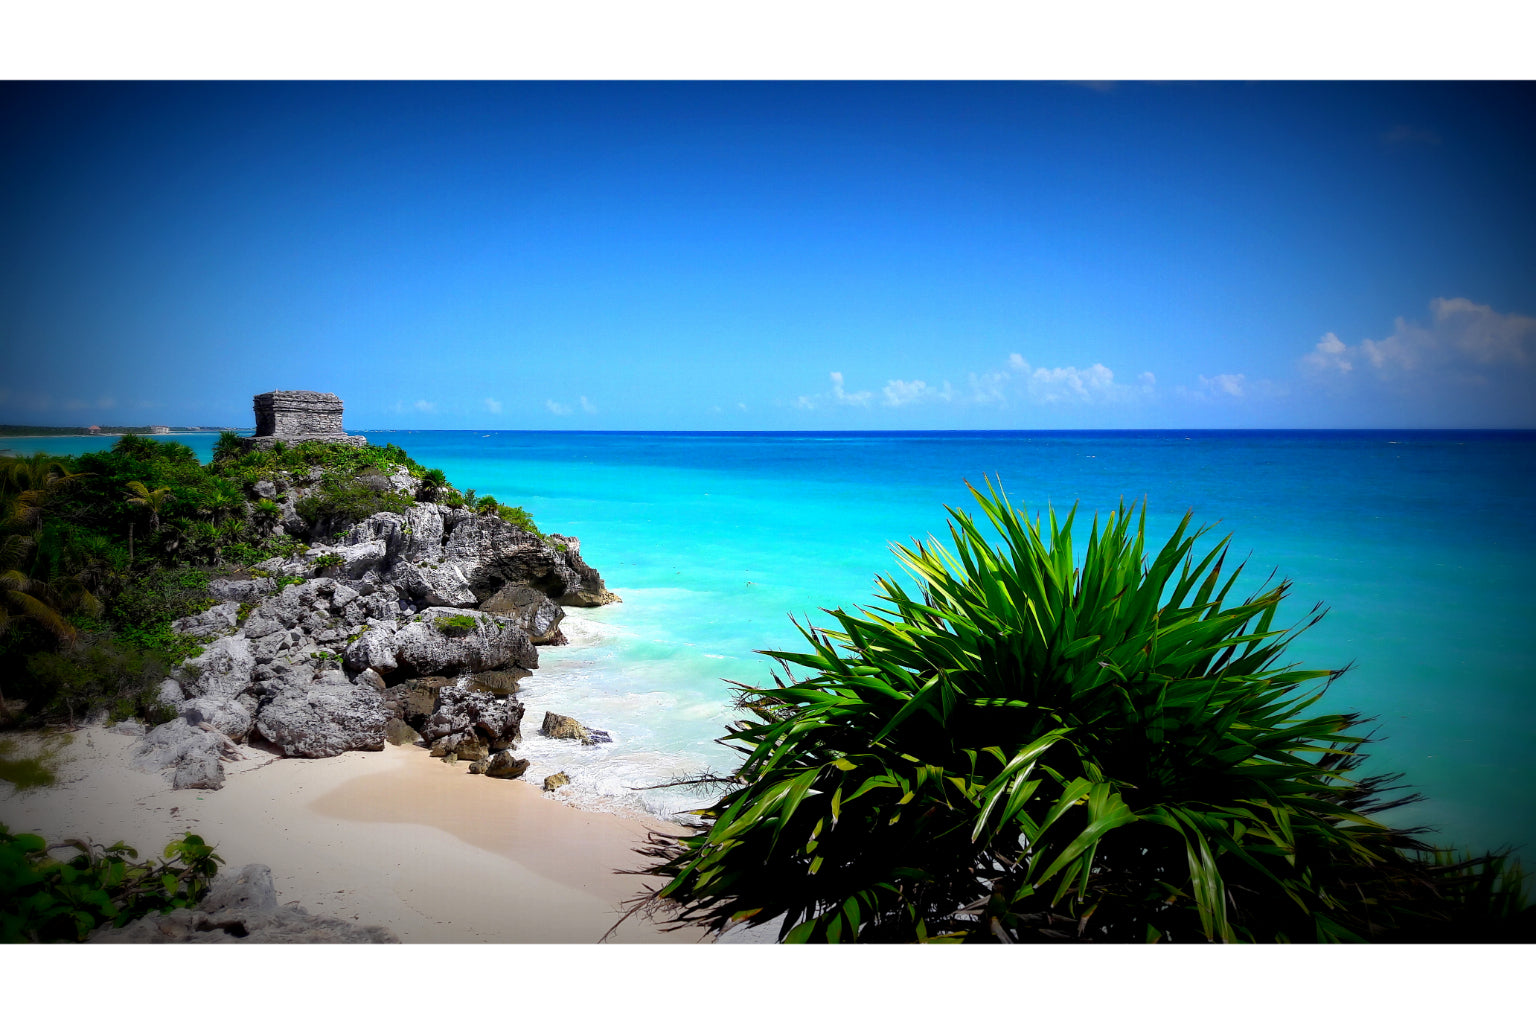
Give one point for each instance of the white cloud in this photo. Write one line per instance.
(1461, 335)
(1486, 336)
(838, 395)
(493, 406)
(556, 408)
(904, 392)
(987, 388)
(1224, 384)
(847, 397)
(422, 405)
(1016, 379)
(742, 406)
(1064, 383)
(1328, 355)
(586, 406)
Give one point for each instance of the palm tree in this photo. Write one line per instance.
(33, 481)
(143, 497)
(433, 483)
(23, 596)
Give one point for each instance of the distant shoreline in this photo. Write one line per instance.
(121, 433)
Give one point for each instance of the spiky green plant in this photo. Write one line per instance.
(1035, 746)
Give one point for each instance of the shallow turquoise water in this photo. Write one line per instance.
(1422, 544)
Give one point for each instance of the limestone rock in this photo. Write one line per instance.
(128, 727)
(532, 610)
(324, 721)
(239, 591)
(369, 677)
(222, 671)
(472, 748)
(479, 767)
(190, 755)
(560, 727)
(400, 734)
(213, 622)
(461, 713)
(554, 782)
(171, 693)
(502, 682)
(225, 714)
(493, 643)
(505, 766)
(375, 649)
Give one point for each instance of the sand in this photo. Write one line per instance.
(393, 838)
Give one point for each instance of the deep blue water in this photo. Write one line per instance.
(1421, 543)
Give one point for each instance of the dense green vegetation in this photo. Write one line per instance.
(1033, 747)
(100, 553)
(43, 899)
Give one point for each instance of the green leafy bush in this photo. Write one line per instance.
(105, 672)
(349, 499)
(46, 900)
(329, 560)
(1037, 748)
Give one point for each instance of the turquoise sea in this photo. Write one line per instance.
(1421, 544)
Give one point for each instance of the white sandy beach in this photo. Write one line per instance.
(393, 838)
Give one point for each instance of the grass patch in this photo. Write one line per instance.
(456, 625)
(36, 771)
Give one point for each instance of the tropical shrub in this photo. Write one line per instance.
(1037, 747)
(47, 900)
(346, 499)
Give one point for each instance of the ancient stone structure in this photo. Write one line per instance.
(293, 416)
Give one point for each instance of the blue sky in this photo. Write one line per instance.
(745, 256)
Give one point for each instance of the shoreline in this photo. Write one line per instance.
(392, 837)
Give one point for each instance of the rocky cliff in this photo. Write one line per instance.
(410, 624)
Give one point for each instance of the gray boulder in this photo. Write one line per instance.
(505, 766)
(222, 671)
(190, 755)
(534, 612)
(502, 681)
(490, 644)
(467, 714)
(220, 620)
(241, 591)
(375, 649)
(560, 727)
(434, 584)
(324, 721)
(225, 714)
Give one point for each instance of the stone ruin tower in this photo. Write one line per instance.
(294, 416)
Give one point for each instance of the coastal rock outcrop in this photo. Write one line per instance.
(398, 626)
(324, 720)
(241, 908)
